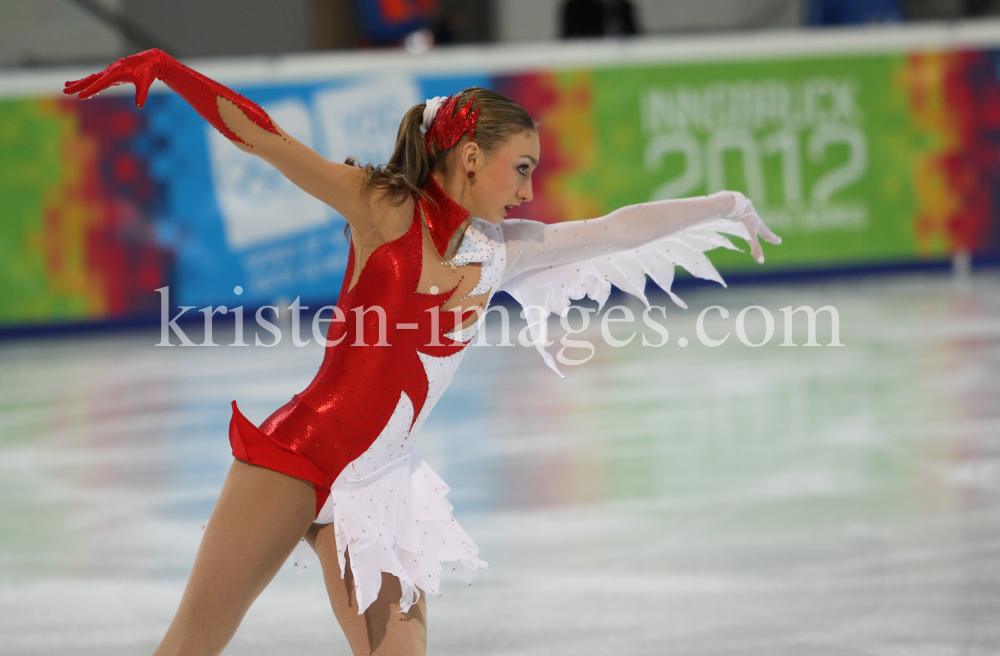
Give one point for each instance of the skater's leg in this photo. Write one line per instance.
(259, 518)
(382, 629)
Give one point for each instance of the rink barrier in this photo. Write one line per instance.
(866, 149)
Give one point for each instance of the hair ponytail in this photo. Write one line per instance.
(410, 164)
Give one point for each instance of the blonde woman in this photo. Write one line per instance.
(430, 244)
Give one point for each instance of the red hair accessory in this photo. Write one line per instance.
(449, 125)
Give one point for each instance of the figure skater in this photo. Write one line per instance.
(430, 245)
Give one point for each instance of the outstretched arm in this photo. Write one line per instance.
(533, 246)
(549, 266)
(245, 123)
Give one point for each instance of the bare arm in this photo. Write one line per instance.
(248, 127)
(337, 185)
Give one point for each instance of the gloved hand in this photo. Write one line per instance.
(745, 213)
(199, 91)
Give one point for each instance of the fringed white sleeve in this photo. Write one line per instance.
(548, 266)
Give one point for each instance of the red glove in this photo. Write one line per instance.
(199, 91)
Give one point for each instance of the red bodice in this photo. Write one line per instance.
(371, 360)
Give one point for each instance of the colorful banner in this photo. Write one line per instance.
(78, 230)
(855, 160)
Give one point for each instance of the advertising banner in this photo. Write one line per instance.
(855, 160)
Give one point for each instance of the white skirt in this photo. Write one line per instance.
(395, 520)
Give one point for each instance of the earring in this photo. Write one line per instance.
(472, 174)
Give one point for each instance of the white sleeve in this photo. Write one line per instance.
(532, 245)
(549, 266)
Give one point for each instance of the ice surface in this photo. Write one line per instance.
(732, 500)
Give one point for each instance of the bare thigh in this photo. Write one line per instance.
(259, 518)
(382, 629)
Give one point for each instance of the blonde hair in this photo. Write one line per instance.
(411, 163)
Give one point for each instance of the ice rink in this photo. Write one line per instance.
(806, 501)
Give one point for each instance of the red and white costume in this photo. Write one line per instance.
(351, 432)
(393, 353)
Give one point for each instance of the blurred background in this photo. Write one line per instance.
(865, 130)
(45, 32)
(774, 495)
